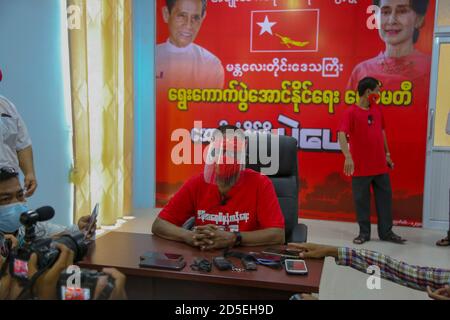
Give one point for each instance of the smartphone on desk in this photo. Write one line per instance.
(157, 263)
(161, 255)
(296, 267)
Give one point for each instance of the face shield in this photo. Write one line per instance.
(225, 159)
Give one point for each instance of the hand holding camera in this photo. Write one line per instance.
(7, 243)
(82, 284)
(38, 262)
(38, 268)
(45, 285)
(119, 290)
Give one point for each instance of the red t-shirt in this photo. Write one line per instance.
(250, 205)
(364, 130)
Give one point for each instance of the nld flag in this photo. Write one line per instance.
(285, 31)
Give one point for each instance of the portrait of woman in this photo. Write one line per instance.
(400, 22)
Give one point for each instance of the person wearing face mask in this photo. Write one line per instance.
(400, 22)
(367, 160)
(232, 206)
(13, 204)
(16, 150)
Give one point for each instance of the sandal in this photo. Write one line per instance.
(395, 239)
(443, 242)
(360, 240)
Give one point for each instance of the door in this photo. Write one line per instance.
(437, 181)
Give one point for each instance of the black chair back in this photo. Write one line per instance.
(285, 179)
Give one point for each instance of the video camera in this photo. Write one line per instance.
(86, 288)
(45, 250)
(47, 255)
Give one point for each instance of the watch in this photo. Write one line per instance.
(238, 240)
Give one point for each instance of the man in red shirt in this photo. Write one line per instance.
(232, 205)
(368, 161)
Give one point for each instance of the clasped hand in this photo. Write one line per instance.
(211, 237)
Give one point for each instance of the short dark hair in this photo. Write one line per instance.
(171, 3)
(7, 173)
(368, 83)
(420, 7)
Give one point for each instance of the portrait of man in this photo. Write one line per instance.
(180, 63)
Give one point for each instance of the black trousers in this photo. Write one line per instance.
(381, 185)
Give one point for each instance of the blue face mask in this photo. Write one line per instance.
(10, 217)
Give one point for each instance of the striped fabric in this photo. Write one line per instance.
(399, 272)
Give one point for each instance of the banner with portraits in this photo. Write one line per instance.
(293, 67)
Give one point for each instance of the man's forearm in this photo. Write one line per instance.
(344, 144)
(169, 231)
(386, 146)
(399, 272)
(263, 237)
(25, 157)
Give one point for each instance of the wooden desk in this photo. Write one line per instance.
(122, 251)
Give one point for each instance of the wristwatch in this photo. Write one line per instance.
(238, 240)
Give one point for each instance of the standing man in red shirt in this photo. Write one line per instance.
(368, 161)
(231, 205)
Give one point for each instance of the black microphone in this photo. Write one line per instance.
(42, 214)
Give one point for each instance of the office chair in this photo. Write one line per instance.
(285, 180)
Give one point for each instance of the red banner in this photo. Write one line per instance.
(294, 66)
